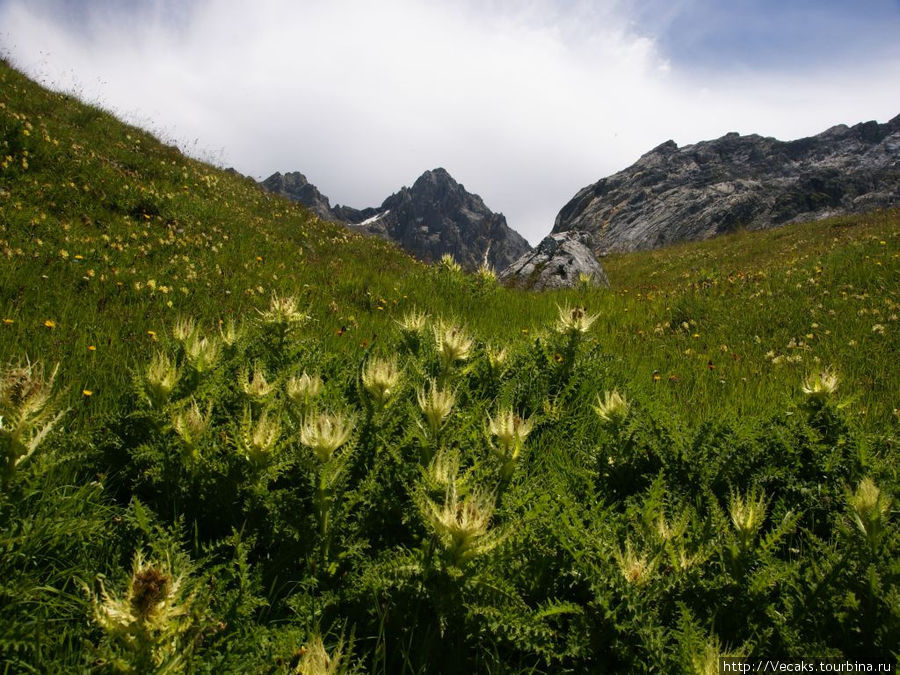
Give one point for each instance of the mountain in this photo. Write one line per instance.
(678, 194)
(433, 217)
(295, 187)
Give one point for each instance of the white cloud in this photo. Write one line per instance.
(525, 103)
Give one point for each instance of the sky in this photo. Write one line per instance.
(524, 102)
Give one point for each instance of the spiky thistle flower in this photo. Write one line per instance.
(282, 311)
(27, 412)
(302, 390)
(325, 433)
(160, 378)
(453, 344)
(315, 659)
(820, 385)
(496, 357)
(510, 430)
(184, 328)
(436, 405)
(871, 508)
(229, 333)
(486, 274)
(258, 438)
(574, 320)
(463, 525)
(412, 323)
(448, 264)
(612, 408)
(153, 600)
(255, 385)
(380, 379)
(444, 468)
(636, 569)
(747, 515)
(191, 423)
(202, 353)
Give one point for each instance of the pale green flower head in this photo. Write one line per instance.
(161, 377)
(747, 514)
(255, 385)
(259, 437)
(510, 430)
(324, 433)
(448, 264)
(302, 390)
(283, 311)
(574, 320)
(436, 405)
(413, 323)
(380, 379)
(612, 408)
(202, 352)
(453, 344)
(820, 385)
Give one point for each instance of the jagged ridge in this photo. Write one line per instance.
(677, 194)
(433, 217)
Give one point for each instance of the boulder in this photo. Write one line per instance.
(561, 260)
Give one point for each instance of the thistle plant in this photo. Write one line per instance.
(436, 404)
(462, 525)
(302, 390)
(380, 379)
(184, 329)
(453, 344)
(443, 470)
(448, 264)
(27, 413)
(315, 659)
(229, 333)
(191, 424)
(818, 386)
(258, 438)
(282, 312)
(412, 323)
(635, 569)
(255, 385)
(612, 409)
(150, 624)
(497, 358)
(747, 516)
(871, 508)
(160, 379)
(510, 432)
(574, 320)
(412, 328)
(486, 274)
(325, 433)
(202, 353)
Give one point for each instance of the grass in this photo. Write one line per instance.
(599, 543)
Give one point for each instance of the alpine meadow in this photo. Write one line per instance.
(236, 438)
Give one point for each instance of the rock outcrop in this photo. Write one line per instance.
(295, 187)
(433, 217)
(561, 260)
(698, 191)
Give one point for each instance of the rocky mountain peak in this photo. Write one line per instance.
(698, 191)
(433, 217)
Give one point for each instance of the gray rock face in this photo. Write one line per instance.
(698, 191)
(561, 260)
(433, 217)
(295, 187)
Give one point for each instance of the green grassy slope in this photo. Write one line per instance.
(109, 234)
(526, 528)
